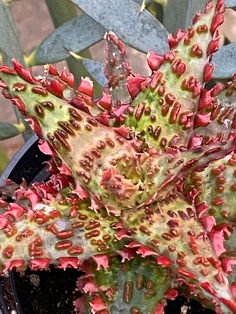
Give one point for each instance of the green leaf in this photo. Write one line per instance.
(81, 225)
(8, 130)
(3, 160)
(74, 35)
(224, 61)
(216, 187)
(9, 42)
(139, 284)
(141, 31)
(94, 67)
(162, 121)
(175, 224)
(175, 13)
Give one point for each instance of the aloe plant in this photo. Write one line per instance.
(142, 198)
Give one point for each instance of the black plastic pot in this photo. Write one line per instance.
(50, 292)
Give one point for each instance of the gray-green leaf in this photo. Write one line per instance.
(8, 130)
(9, 43)
(224, 61)
(175, 14)
(95, 68)
(74, 35)
(141, 31)
(230, 3)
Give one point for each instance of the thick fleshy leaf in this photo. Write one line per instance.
(193, 8)
(141, 31)
(38, 230)
(75, 35)
(8, 130)
(9, 42)
(105, 153)
(216, 187)
(136, 286)
(172, 234)
(224, 62)
(175, 13)
(3, 160)
(95, 68)
(162, 114)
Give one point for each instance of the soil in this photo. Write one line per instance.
(41, 292)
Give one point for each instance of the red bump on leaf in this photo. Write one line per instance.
(217, 20)
(201, 209)
(195, 141)
(66, 262)
(173, 41)
(171, 294)
(217, 241)
(101, 261)
(34, 124)
(159, 309)
(52, 70)
(19, 104)
(39, 263)
(22, 72)
(67, 77)
(227, 264)
(216, 89)
(98, 305)
(213, 46)
(3, 222)
(55, 87)
(231, 304)
(208, 222)
(202, 119)
(208, 70)
(154, 61)
(15, 264)
(206, 286)
(206, 100)
(105, 101)
(7, 70)
(187, 273)
(15, 210)
(145, 251)
(163, 261)
(134, 84)
(86, 87)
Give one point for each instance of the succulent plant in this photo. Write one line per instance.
(142, 192)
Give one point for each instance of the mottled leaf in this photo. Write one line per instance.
(74, 35)
(224, 61)
(136, 286)
(123, 17)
